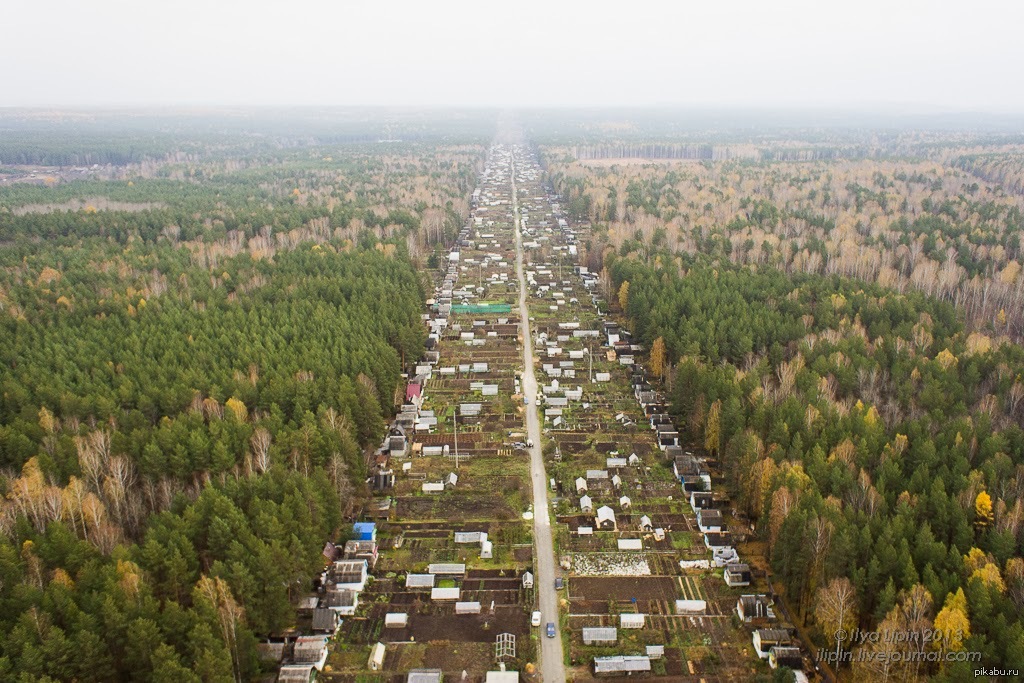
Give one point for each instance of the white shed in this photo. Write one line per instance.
(629, 620)
(396, 620)
(586, 505)
(376, 662)
(419, 580)
(445, 593)
(691, 606)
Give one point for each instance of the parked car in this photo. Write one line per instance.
(551, 629)
(559, 584)
(535, 620)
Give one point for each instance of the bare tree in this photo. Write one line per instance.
(835, 610)
(260, 444)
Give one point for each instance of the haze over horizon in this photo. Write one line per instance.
(917, 56)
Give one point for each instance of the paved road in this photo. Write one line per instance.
(551, 658)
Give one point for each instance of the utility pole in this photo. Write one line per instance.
(590, 358)
(455, 426)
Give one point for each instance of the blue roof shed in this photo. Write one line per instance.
(364, 531)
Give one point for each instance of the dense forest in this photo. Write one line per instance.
(869, 436)
(194, 365)
(948, 223)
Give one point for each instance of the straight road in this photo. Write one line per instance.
(551, 658)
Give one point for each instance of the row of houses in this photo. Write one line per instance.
(337, 596)
(770, 642)
(617, 465)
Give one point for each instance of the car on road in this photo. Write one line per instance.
(535, 620)
(551, 629)
(526, 400)
(559, 584)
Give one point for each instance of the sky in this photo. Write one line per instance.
(928, 55)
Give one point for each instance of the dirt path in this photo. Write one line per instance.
(551, 655)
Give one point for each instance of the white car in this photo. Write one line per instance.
(535, 620)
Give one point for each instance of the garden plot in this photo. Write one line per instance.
(625, 589)
(611, 564)
(457, 506)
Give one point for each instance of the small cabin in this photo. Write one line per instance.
(784, 655)
(737, 575)
(646, 524)
(701, 500)
(625, 503)
(310, 650)
(754, 608)
(581, 485)
(605, 520)
(765, 639)
(718, 540)
(709, 520)
(347, 574)
(326, 620)
(586, 504)
(296, 673)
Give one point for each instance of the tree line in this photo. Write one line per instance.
(874, 441)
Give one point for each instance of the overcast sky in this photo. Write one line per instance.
(864, 53)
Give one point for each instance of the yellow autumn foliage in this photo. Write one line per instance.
(983, 509)
(237, 409)
(946, 359)
(978, 343)
(48, 275)
(62, 578)
(953, 623)
(624, 295)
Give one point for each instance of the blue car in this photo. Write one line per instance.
(551, 629)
